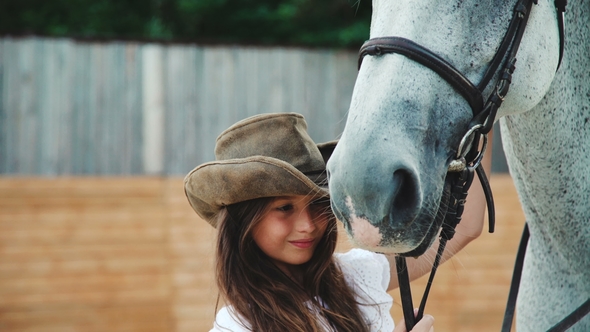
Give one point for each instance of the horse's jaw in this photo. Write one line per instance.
(365, 234)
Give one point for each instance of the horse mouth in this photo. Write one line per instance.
(435, 226)
(411, 240)
(425, 244)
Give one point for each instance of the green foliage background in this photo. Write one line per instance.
(326, 23)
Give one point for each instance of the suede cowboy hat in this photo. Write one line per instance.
(264, 155)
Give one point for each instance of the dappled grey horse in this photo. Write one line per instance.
(408, 118)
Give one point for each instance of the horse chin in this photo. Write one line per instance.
(411, 241)
(424, 245)
(374, 239)
(435, 226)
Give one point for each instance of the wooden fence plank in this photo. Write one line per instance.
(29, 122)
(10, 106)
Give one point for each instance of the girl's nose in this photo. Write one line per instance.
(305, 221)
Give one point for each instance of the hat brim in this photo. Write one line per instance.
(211, 186)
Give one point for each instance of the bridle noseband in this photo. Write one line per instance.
(469, 154)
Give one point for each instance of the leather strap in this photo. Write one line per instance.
(521, 11)
(565, 323)
(572, 318)
(405, 292)
(457, 185)
(485, 184)
(427, 58)
(405, 289)
(515, 283)
(560, 8)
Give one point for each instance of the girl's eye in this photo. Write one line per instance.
(285, 208)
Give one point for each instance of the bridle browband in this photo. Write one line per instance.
(468, 158)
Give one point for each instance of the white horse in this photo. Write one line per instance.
(406, 121)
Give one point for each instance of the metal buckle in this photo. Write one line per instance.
(460, 163)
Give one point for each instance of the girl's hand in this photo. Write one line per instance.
(426, 324)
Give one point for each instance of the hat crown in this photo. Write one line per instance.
(281, 136)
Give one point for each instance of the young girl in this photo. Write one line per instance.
(267, 195)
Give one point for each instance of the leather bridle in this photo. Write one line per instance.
(471, 148)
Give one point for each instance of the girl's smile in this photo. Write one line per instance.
(305, 243)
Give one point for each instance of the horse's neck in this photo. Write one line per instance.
(576, 70)
(565, 109)
(568, 98)
(548, 148)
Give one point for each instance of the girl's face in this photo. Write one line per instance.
(291, 229)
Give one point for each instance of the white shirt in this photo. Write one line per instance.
(368, 275)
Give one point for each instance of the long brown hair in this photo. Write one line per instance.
(267, 298)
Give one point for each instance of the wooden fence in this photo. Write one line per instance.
(123, 254)
(114, 108)
(70, 107)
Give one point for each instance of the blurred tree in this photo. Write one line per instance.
(92, 18)
(334, 23)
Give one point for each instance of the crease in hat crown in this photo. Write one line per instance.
(264, 155)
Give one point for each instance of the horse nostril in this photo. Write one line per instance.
(405, 197)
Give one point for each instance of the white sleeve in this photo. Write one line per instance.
(227, 320)
(368, 275)
(366, 268)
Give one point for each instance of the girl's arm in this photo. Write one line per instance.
(467, 230)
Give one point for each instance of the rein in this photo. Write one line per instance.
(468, 159)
